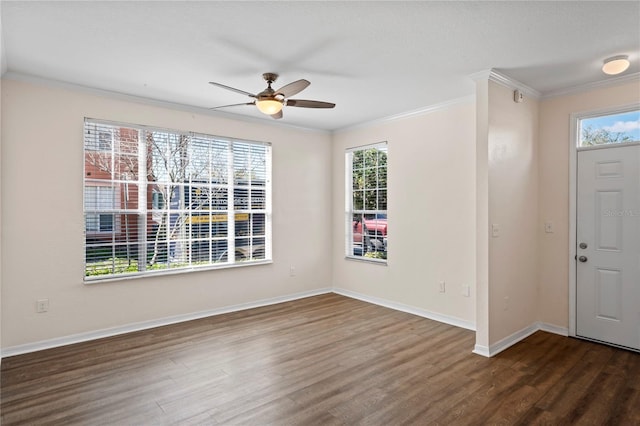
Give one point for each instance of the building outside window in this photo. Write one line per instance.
(99, 198)
(366, 202)
(158, 200)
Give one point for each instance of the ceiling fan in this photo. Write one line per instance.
(271, 101)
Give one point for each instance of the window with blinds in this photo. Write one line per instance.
(366, 202)
(162, 200)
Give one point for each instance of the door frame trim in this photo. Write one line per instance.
(573, 197)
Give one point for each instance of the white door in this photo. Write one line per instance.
(608, 245)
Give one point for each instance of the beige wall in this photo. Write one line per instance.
(555, 116)
(452, 173)
(42, 219)
(513, 206)
(431, 212)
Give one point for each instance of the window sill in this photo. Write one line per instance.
(382, 262)
(133, 276)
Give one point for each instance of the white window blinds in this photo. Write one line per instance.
(158, 200)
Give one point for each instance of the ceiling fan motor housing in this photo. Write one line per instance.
(270, 77)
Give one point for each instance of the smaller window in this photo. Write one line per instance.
(366, 202)
(609, 129)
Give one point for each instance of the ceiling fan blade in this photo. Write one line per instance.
(277, 115)
(232, 105)
(233, 89)
(302, 103)
(293, 88)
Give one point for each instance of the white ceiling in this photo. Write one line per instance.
(373, 59)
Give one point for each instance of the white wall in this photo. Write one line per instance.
(513, 207)
(482, 215)
(42, 219)
(431, 213)
(554, 189)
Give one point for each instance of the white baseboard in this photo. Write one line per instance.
(518, 336)
(555, 329)
(481, 350)
(408, 309)
(99, 334)
(490, 351)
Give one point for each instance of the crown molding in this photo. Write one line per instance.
(413, 113)
(609, 82)
(506, 81)
(28, 78)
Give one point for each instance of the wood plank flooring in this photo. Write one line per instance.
(323, 360)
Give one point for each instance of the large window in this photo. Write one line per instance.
(366, 202)
(158, 200)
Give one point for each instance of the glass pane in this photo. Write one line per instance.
(258, 165)
(219, 251)
(610, 129)
(241, 198)
(258, 224)
(199, 198)
(370, 200)
(241, 164)
(382, 199)
(258, 249)
(357, 236)
(219, 225)
(358, 200)
(219, 199)
(243, 249)
(200, 251)
(382, 177)
(371, 178)
(243, 227)
(258, 199)
(168, 159)
(357, 160)
(358, 179)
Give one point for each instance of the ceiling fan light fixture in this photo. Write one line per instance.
(269, 106)
(615, 65)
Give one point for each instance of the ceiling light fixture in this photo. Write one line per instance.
(269, 106)
(615, 65)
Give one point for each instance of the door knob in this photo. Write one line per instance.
(583, 245)
(582, 258)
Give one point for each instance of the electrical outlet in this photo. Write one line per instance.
(506, 303)
(495, 230)
(442, 287)
(466, 291)
(548, 227)
(292, 271)
(42, 305)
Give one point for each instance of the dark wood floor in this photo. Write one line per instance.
(323, 360)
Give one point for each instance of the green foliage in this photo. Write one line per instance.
(376, 255)
(111, 266)
(119, 265)
(593, 137)
(369, 173)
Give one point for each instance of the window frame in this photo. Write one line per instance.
(143, 214)
(350, 210)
